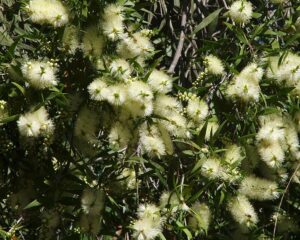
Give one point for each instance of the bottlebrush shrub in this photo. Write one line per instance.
(100, 141)
(90, 114)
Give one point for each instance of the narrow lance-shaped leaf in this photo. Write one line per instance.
(206, 21)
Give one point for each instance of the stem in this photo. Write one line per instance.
(281, 200)
(181, 39)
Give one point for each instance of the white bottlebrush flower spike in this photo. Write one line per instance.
(119, 135)
(242, 211)
(139, 109)
(272, 154)
(241, 11)
(201, 217)
(51, 12)
(135, 45)
(149, 223)
(51, 218)
(165, 105)
(140, 92)
(146, 229)
(276, 136)
(197, 109)
(165, 136)
(151, 141)
(233, 154)
(252, 72)
(284, 70)
(120, 68)
(88, 197)
(40, 74)
(116, 94)
(34, 124)
(148, 211)
(92, 42)
(291, 137)
(71, 39)
(3, 110)
(211, 168)
(86, 130)
(176, 124)
(98, 89)
(130, 178)
(86, 123)
(160, 81)
(245, 86)
(270, 133)
(258, 188)
(153, 145)
(112, 22)
(172, 202)
(89, 224)
(169, 199)
(214, 65)
(92, 203)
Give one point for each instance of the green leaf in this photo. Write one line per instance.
(162, 236)
(256, 15)
(9, 119)
(199, 193)
(277, 33)
(157, 166)
(270, 110)
(5, 39)
(206, 21)
(201, 136)
(222, 197)
(84, 9)
(113, 201)
(11, 49)
(21, 88)
(34, 203)
(188, 152)
(275, 44)
(259, 29)
(241, 36)
(185, 230)
(216, 135)
(229, 25)
(197, 166)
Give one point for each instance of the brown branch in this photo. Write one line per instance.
(181, 40)
(282, 197)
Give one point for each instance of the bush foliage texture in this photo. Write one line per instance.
(149, 119)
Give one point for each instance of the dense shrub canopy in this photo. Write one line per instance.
(149, 119)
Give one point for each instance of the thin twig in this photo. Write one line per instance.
(181, 40)
(282, 197)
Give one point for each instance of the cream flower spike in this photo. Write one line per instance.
(34, 124)
(241, 11)
(40, 74)
(214, 65)
(51, 12)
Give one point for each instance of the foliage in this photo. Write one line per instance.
(149, 119)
